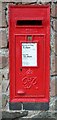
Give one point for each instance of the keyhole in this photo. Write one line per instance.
(21, 69)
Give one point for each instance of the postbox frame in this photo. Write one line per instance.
(15, 101)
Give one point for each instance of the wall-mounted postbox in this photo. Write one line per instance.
(29, 38)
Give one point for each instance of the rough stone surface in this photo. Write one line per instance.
(3, 39)
(3, 61)
(2, 15)
(0, 79)
(14, 115)
(56, 86)
(5, 84)
(5, 73)
(56, 44)
(0, 115)
(56, 104)
(0, 91)
(55, 25)
(5, 98)
(28, 1)
(0, 96)
(54, 10)
(37, 118)
(53, 64)
(53, 87)
(10, 1)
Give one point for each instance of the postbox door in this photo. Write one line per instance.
(30, 66)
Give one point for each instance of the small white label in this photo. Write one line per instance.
(29, 54)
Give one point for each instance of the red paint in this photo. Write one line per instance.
(29, 83)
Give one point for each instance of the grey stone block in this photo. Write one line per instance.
(13, 115)
(37, 119)
(28, 1)
(10, 1)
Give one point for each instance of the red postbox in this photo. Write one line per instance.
(29, 38)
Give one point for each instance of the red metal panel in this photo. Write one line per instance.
(29, 82)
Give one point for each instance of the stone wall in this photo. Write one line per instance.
(4, 62)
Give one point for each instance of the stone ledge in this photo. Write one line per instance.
(29, 119)
(23, 115)
(12, 115)
(27, 1)
(10, 1)
(36, 119)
